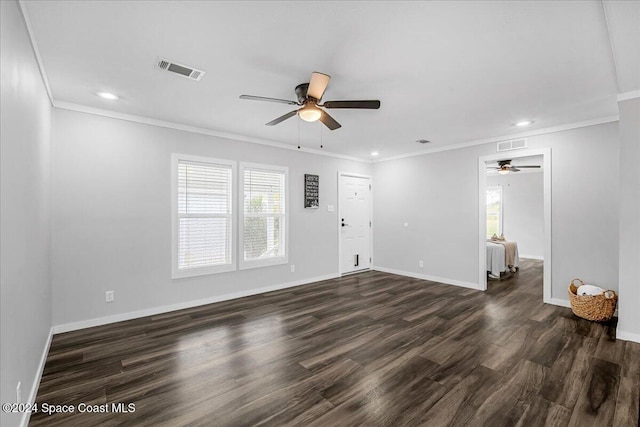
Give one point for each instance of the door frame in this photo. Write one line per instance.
(482, 213)
(342, 174)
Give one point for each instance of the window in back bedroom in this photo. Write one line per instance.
(494, 210)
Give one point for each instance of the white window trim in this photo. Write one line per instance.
(245, 265)
(177, 273)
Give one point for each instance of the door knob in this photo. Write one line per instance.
(343, 224)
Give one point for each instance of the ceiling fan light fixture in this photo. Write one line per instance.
(503, 170)
(309, 114)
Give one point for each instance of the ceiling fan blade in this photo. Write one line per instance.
(262, 98)
(282, 118)
(529, 167)
(370, 105)
(329, 121)
(318, 85)
(514, 169)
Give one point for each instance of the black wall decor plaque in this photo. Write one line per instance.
(311, 195)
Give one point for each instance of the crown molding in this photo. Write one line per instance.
(496, 139)
(34, 47)
(161, 123)
(63, 105)
(628, 95)
(204, 131)
(612, 50)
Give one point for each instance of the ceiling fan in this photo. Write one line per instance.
(505, 166)
(309, 96)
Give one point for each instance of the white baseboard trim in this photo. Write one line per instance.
(24, 422)
(559, 302)
(98, 321)
(538, 257)
(627, 336)
(427, 277)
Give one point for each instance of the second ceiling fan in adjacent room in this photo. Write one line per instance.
(505, 166)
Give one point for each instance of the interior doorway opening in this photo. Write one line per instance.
(512, 224)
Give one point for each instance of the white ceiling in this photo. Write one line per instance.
(449, 72)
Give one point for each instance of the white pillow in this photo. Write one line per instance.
(589, 290)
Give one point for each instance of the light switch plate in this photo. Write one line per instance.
(331, 208)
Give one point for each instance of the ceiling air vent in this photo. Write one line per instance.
(514, 144)
(180, 69)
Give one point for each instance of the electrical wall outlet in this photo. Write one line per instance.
(421, 264)
(108, 296)
(293, 268)
(19, 393)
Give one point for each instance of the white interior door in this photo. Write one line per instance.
(354, 223)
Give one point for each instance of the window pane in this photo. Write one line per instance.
(204, 189)
(263, 232)
(493, 224)
(494, 210)
(263, 192)
(263, 237)
(203, 242)
(204, 215)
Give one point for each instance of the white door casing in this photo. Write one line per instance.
(354, 222)
(482, 216)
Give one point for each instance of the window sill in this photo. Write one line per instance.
(201, 271)
(246, 265)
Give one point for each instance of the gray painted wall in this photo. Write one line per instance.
(439, 202)
(523, 210)
(112, 216)
(25, 212)
(629, 320)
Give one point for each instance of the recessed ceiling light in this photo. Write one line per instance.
(107, 95)
(524, 123)
(374, 153)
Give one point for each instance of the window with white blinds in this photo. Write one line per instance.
(263, 222)
(203, 216)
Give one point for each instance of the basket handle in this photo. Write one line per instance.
(579, 280)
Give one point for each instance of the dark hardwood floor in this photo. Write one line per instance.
(373, 349)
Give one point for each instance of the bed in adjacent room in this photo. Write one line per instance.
(501, 257)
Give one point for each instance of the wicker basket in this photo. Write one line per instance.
(599, 308)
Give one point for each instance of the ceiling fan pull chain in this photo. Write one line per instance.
(298, 134)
